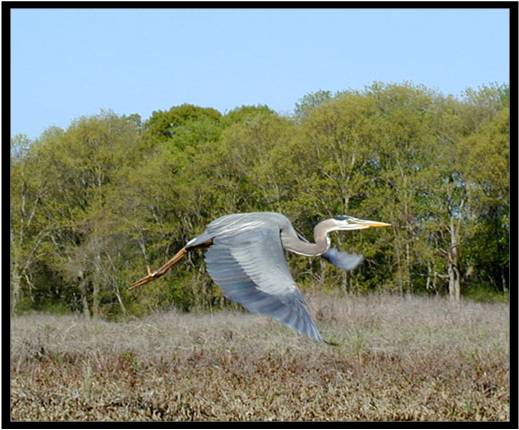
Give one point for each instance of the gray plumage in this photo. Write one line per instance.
(244, 254)
(342, 260)
(247, 261)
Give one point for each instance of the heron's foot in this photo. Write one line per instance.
(161, 270)
(148, 278)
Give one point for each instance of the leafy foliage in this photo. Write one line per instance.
(93, 205)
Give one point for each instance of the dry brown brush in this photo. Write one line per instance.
(399, 358)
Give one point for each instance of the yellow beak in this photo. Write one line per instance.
(370, 224)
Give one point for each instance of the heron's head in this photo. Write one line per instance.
(345, 222)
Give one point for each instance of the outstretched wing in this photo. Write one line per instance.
(342, 260)
(251, 269)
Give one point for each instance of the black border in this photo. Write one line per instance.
(7, 6)
(261, 4)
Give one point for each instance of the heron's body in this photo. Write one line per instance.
(232, 225)
(246, 260)
(244, 256)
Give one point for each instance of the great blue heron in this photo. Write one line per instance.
(244, 256)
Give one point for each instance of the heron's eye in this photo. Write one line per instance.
(342, 218)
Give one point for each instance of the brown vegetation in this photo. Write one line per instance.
(399, 358)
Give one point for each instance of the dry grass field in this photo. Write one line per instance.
(399, 358)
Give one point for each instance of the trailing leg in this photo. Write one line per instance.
(161, 271)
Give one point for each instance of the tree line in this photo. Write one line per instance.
(94, 204)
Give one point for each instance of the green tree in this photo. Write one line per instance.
(310, 101)
(78, 166)
(166, 124)
(28, 228)
(93, 205)
(485, 158)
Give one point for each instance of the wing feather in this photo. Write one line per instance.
(342, 260)
(250, 267)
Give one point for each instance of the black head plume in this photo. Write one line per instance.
(341, 218)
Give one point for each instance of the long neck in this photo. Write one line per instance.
(294, 244)
(321, 235)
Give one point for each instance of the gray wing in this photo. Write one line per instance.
(342, 260)
(251, 269)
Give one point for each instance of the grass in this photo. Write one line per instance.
(399, 359)
(486, 294)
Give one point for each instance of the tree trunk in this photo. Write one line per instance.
(504, 284)
(83, 292)
(15, 285)
(407, 272)
(402, 254)
(15, 289)
(344, 283)
(95, 298)
(453, 265)
(119, 298)
(428, 280)
(96, 284)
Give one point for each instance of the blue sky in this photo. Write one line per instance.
(68, 63)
